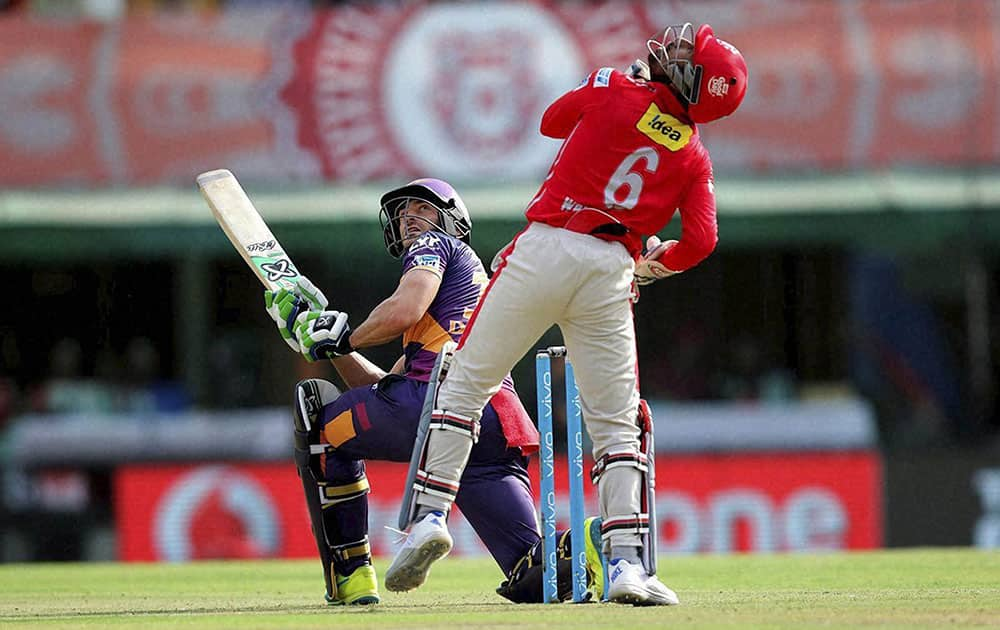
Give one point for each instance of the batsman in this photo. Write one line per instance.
(631, 157)
(426, 224)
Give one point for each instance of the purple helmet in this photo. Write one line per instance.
(453, 217)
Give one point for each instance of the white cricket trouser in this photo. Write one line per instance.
(583, 285)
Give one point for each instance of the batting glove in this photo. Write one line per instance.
(323, 334)
(285, 306)
(311, 294)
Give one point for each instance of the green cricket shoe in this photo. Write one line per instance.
(595, 560)
(357, 589)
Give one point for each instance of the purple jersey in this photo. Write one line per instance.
(463, 280)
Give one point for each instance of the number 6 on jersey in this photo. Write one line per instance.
(246, 230)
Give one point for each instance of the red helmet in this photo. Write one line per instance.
(709, 74)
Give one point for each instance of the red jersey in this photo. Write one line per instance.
(630, 160)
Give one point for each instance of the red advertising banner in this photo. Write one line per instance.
(706, 503)
(389, 91)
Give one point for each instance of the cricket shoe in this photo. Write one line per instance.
(595, 559)
(629, 584)
(427, 542)
(360, 588)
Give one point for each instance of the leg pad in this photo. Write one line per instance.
(310, 398)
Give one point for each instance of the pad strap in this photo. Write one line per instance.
(629, 523)
(523, 564)
(357, 549)
(451, 421)
(564, 546)
(614, 459)
(330, 494)
(564, 551)
(434, 485)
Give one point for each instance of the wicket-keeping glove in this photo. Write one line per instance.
(639, 70)
(648, 269)
(285, 306)
(323, 334)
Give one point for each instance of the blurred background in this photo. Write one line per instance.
(826, 380)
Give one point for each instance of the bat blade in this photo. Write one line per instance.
(246, 230)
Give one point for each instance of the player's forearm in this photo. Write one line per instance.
(699, 229)
(389, 320)
(356, 370)
(689, 251)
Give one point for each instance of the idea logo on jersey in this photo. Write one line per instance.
(664, 129)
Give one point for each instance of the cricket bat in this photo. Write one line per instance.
(251, 237)
(246, 230)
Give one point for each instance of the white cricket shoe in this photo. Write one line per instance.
(629, 584)
(427, 542)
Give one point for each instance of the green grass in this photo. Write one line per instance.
(925, 588)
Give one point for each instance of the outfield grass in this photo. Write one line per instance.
(924, 588)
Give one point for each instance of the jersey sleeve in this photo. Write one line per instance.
(699, 225)
(562, 115)
(430, 252)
